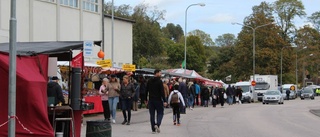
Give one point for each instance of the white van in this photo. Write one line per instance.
(247, 91)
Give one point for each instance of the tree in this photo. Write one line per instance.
(315, 20)
(173, 32)
(286, 11)
(204, 37)
(226, 40)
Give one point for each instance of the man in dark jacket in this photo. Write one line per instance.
(183, 89)
(288, 94)
(157, 100)
(230, 93)
(221, 92)
(54, 91)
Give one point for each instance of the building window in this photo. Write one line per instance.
(90, 5)
(70, 3)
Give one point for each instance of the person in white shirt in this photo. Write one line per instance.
(175, 98)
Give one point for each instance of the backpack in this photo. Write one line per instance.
(175, 98)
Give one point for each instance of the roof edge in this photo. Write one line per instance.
(119, 18)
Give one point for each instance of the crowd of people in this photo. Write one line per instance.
(157, 93)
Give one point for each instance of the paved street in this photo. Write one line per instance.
(247, 120)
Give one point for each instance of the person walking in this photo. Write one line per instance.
(191, 94)
(183, 89)
(205, 95)
(288, 94)
(156, 101)
(166, 89)
(136, 95)
(142, 91)
(197, 91)
(127, 92)
(114, 90)
(229, 93)
(175, 99)
(239, 95)
(214, 94)
(221, 92)
(103, 92)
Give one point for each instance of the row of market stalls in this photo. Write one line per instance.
(32, 78)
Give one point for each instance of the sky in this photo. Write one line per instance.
(216, 16)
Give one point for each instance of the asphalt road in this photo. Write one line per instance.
(292, 119)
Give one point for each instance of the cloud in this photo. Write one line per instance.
(159, 3)
(219, 18)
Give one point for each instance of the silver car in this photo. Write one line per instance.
(272, 96)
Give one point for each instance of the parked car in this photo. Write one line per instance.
(307, 93)
(292, 95)
(272, 96)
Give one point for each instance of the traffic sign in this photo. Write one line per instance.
(104, 63)
(293, 88)
(129, 67)
(253, 83)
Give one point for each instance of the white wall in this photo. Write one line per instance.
(38, 20)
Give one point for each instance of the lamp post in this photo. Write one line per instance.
(185, 34)
(254, 46)
(297, 63)
(281, 67)
(304, 72)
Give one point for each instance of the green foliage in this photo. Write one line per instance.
(226, 40)
(315, 20)
(204, 37)
(286, 11)
(172, 32)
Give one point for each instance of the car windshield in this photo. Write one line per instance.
(245, 88)
(272, 92)
(262, 86)
(307, 90)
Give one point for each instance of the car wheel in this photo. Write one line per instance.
(249, 101)
(279, 103)
(267, 103)
(302, 98)
(312, 98)
(263, 103)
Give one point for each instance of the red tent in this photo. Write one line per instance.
(31, 94)
(31, 97)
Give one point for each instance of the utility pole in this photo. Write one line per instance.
(12, 71)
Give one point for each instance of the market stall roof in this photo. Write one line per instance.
(145, 71)
(86, 64)
(183, 73)
(49, 47)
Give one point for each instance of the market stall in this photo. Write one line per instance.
(31, 89)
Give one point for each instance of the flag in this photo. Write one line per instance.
(183, 64)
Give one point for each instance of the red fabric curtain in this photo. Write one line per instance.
(31, 97)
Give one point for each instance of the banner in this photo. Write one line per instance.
(77, 61)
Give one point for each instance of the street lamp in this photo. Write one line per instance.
(254, 45)
(281, 66)
(297, 61)
(185, 34)
(304, 72)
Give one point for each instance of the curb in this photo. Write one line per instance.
(315, 112)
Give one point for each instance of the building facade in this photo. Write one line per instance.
(69, 20)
